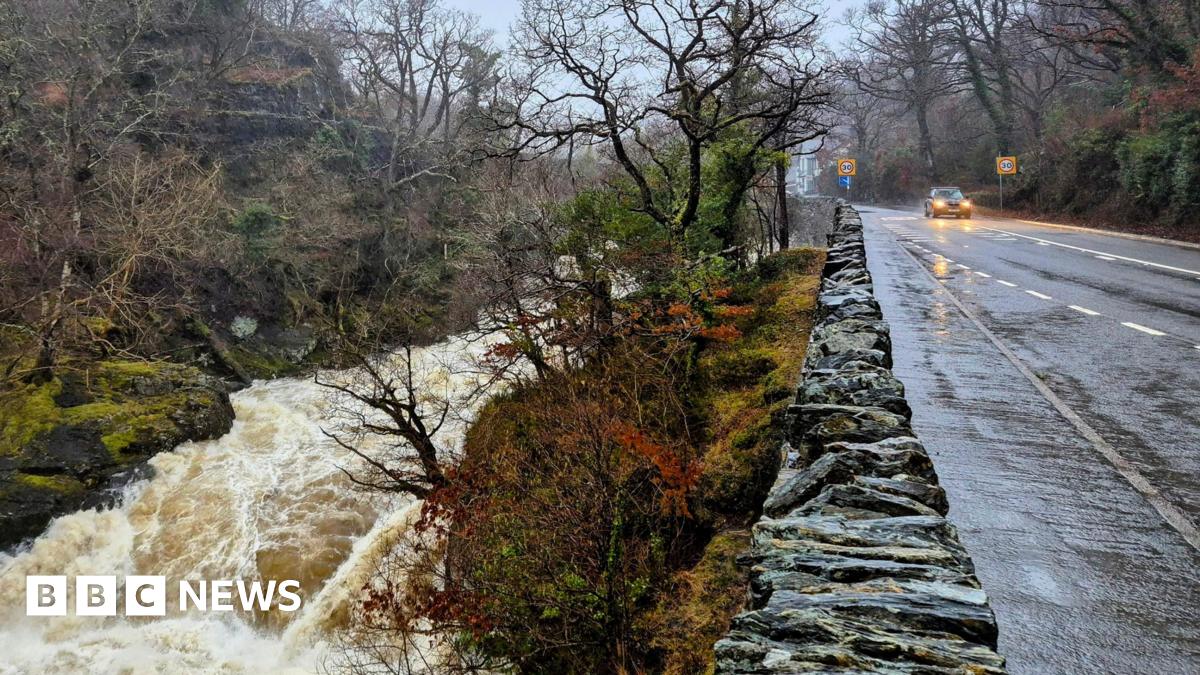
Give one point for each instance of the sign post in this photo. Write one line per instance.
(1005, 166)
(847, 168)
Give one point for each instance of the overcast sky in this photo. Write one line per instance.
(498, 14)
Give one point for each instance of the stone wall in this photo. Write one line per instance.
(853, 566)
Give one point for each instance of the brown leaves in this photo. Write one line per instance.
(677, 475)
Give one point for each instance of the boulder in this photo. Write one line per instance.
(890, 457)
(932, 496)
(772, 641)
(814, 360)
(784, 570)
(836, 467)
(853, 303)
(73, 440)
(899, 466)
(925, 540)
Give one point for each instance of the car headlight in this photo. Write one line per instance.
(939, 203)
(965, 202)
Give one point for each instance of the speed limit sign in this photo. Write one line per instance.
(847, 167)
(1006, 166)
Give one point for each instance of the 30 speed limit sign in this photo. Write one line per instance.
(1006, 166)
(847, 167)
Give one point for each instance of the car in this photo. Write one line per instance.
(946, 201)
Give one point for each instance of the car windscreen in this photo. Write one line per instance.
(948, 194)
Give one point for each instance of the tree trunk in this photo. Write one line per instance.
(783, 225)
(926, 143)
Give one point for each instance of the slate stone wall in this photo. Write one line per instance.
(854, 567)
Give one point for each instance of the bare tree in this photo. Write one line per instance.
(289, 15)
(423, 69)
(866, 117)
(1103, 34)
(658, 82)
(82, 80)
(905, 56)
(1042, 70)
(987, 34)
(383, 397)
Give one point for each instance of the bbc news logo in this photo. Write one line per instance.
(147, 595)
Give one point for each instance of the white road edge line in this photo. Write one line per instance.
(1006, 283)
(1175, 517)
(1085, 310)
(1049, 242)
(1144, 329)
(1043, 296)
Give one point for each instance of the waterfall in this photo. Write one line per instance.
(268, 500)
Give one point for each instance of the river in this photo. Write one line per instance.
(268, 500)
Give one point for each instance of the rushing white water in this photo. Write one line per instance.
(266, 501)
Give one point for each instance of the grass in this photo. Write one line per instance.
(697, 609)
(746, 386)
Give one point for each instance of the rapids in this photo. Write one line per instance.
(268, 500)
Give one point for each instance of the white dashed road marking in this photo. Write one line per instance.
(964, 267)
(1085, 310)
(1035, 294)
(1048, 242)
(1148, 331)
(1176, 518)
(985, 275)
(1104, 257)
(1006, 283)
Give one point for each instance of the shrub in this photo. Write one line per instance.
(256, 225)
(1146, 162)
(581, 522)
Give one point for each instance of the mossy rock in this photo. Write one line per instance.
(70, 436)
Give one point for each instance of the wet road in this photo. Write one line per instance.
(1055, 377)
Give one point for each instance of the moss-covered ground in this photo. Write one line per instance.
(745, 387)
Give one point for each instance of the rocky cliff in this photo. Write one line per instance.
(853, 566)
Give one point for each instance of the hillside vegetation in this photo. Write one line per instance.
(1097, 100)
(195, 194)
